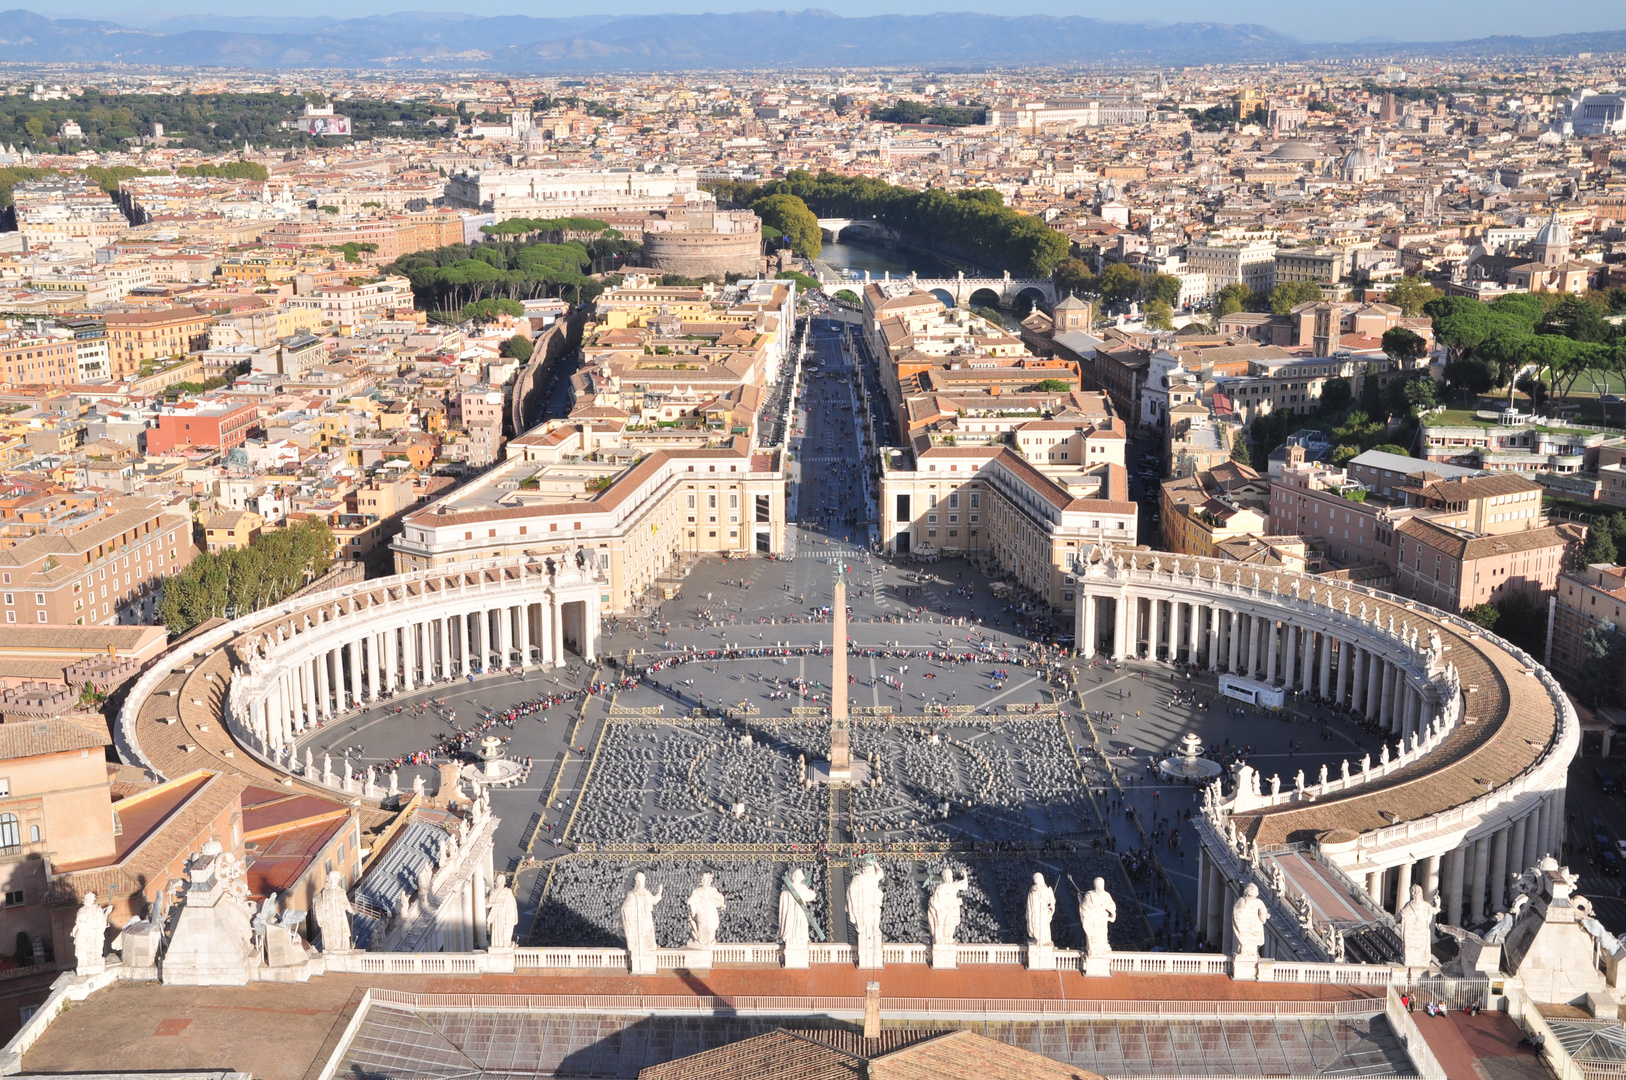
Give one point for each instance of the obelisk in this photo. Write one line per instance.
(841, 766)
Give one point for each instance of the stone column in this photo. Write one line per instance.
(1254, 631)
(1498, 870)
(1477, 878)
(1402, 886)
(525, 635)
(1386, 702)
(1121, 608)
(1452, 910)
(1515, 848)
(1233, 654)
(1532, 839)
(1270, 651)
(392, 658)
(1374, 886)
(444, 626)
(375, 668)
(1431, 875)
(505, 635)
(1374, 685)
(354, 648)
(1324, 647)
(1413, 708)
(478, 885)
(559, 635)
(1357, 688)
(307, 677)
(1346, 665)
(1290, 663)
(1153, 613)
(319, 684)
(1213, 621)
(1560, 830)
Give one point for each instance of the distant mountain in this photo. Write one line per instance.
(753, 39)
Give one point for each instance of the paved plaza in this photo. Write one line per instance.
(985, 753)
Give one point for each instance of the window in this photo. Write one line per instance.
(33, 834)
(14, 897)
(11, 840)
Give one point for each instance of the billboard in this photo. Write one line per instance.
(325, 125)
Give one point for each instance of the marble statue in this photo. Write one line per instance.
(90, 936)
(1096, 911)
(1248, 918)
(1041, 909)
(1417, 929)
(795, 901)
(502, 914)
(1323, 774)
(943, 911)
(1275, 784)
(1343, 770)
(864, 896)
(706, 904)
(333, 910)
(638, 922)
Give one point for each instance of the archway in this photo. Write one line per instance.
(945, 296)
(985, 298)
(1028, 299)
(573, 624)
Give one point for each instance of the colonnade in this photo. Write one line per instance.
(411, 651)
(1238, 639)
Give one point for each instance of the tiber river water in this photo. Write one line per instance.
(849, 256)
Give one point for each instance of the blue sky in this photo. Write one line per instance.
(1401, 20)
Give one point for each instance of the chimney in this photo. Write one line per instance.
(872, 1010)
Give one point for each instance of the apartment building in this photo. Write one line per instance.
(138, 338)
(1207, 509)
(1589, 598)
(1253, 265)
(87, 560)
(217, 424)
(1456, 570)
(1298, 265)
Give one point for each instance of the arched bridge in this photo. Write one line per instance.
(962, 291)
(832, 228)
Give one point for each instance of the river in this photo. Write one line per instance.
(848, 256)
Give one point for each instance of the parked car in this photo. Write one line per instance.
(1606, 780)
(1611, 864)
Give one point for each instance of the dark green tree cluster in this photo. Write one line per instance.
(485, 311)
(1565, 338)
(1605, 538)
(791, 218)
(12, 175)
(275, 565)
(1213, 118)
(1290, 294)
(447, 278)
(109, 177)
(230, 170)
(915, 112)
(977, 225)
(207, 122)
(518, 348)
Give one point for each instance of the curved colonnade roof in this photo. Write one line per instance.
(1511, 721)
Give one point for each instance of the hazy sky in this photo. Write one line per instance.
(1401, 20)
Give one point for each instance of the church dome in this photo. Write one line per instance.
(1293, 151)
(1358, 165)
(1553, 234)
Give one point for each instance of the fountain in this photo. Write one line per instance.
(493, 769)
(1188, 763)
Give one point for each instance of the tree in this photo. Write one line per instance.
(518, 348)
(1233, 298)
(790, 216)
(1601, 654)
(1073, 276)
(1484, 615)
(847, 296)
(1239, 448)
(1053, 386)
(1121, 283)
(1159, 315)
(1411, 294)
(1164, 288)
(1336, 395)
(1392, 448)
(1405, 347)
(484, 311)
(1598, 548)
(1290, 294)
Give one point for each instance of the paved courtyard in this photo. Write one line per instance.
(979, 755)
